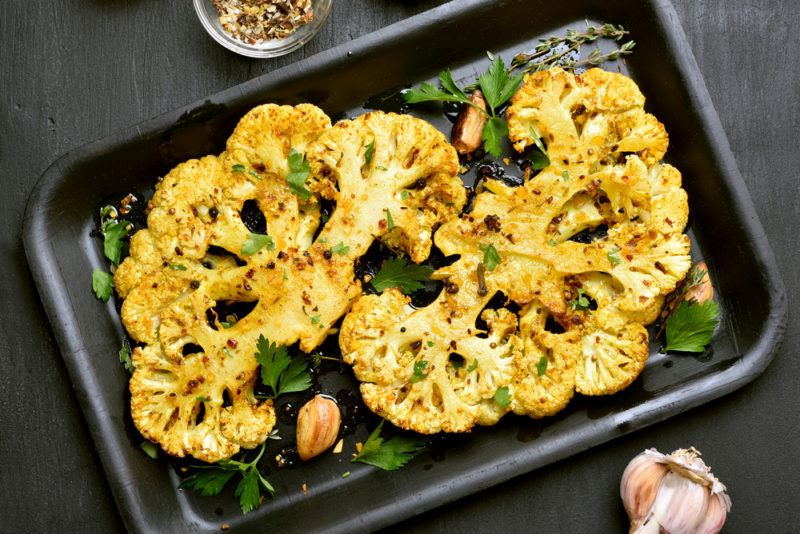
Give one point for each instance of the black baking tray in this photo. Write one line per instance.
(725, 231)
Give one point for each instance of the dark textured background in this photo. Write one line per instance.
(74, 71)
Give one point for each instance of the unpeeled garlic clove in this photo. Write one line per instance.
(701, 291)
(317, 426)
(673, 493)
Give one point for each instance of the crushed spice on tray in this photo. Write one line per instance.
(256, 21)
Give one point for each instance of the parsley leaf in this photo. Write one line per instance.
(473, 365)
(315, 319)
(150, 449)
(389, 220)
(256, 242)
(613, 256)
(238, 168)
(428, 93)
(388, 455)
(404, 194)
(125, 355)
(565, 176)
(541, 366)
(420, 373)
(430, 343)
(497, 85)
(249, 492)
(177, 267)
(399, 272)
(580, 303)
(113, 234)
(537, 140)
(369, 152)
(279, 371)
(340, 249)
(539, 160)
(299, 169)
(446, 81)
(209, 481)
(502, 397)
(494, 131)
(102, 284)
(691, 326)
(491, 258)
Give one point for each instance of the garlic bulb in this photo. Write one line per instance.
(673, 494)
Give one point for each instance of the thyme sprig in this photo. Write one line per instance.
(544, 55)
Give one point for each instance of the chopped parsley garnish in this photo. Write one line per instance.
(389, 454)
(177, 267)
(125, 355)
(539, 160)
(580, 303)
(369, 152)
(238, 168)
(565, 176)
(491, 258)
(227, 352)
(299, 169)
(613, 256)
(502, 397)
(541, 366)
(399, 272)
(149, 448)
(537, 140)
(211, 479)
(381, 168)
(256, 242)
(340, 249)
(113, 234)
(389, 220)
(254, 174)
(430, 344)
(691, 325)
(315, 319)
(404, 194)
(279, 371)
(473, 365)
(346, 474)
(102, 284)
(420, 371)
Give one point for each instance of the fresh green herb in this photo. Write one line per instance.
(227, 352)
(389, 220)
(254, 174)
(238, 168)
(149, 448)
(299, 169)
(420, 371)
(285, 274)
(539, 160)
(552, 242)
(256, 242)
(114, 232)
(473, 365)
(691, 325)
(125, 355)
(399, 272)
(430, 344)
(537, 140)
(177, 267)
(340, 249)
(613, 256)
(381, 168)
(369, 152)
(404, 194)
(388, 455)
(497, 87)
(541, 366)
(346, 474)
(491, 258)
(203, 398)
(502, 397)
(580, 303)
(226, 324)
(210, 480)
(279, 371)
(565, 176)
(102, 284)
(545, 56)
(315, 319)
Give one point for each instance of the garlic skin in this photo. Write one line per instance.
(673, 494)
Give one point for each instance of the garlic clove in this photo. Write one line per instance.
(639, 485)
(317, 426)
(674, 493)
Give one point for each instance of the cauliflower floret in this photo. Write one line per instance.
(610, 361)
(392, 176)
(430, 369)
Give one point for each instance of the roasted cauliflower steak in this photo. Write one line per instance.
(587, 248)
(192, 387)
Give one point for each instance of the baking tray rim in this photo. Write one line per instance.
(54, 296)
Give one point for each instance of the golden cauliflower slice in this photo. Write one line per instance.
(197, 253)
(587, 249)
(427, 369)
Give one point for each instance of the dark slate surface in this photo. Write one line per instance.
(74, 71)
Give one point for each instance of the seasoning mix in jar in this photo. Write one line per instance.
(256, 21)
